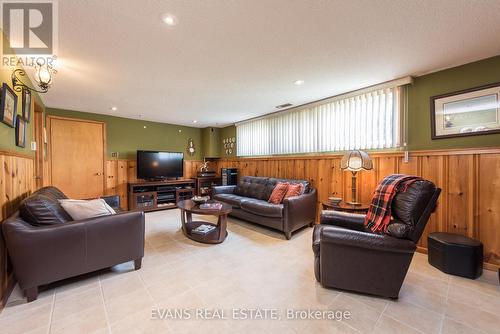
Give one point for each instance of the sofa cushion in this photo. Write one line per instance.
(253, 187)
(398, 230)
(273, 181)
(39, 210)
(83, 209)
(278, 193)
(294, 190)
(231, 199)
(262, 208)
(51, 192)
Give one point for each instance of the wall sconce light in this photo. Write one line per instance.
(43, 77)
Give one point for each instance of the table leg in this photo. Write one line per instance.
(222, 222)
(186, 217)
(183, 221)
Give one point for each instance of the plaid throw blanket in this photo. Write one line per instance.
(379, 213)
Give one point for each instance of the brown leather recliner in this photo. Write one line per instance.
(349, 257)
(249, 201)
(45, 245)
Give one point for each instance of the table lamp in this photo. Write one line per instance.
(355, 161)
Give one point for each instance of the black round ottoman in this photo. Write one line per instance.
(455, 254)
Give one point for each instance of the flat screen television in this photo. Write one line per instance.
(159, 165)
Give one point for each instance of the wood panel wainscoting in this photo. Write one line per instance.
(119, 172)
(16, 182)
(470, 179)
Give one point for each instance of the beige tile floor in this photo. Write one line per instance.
(254, 268)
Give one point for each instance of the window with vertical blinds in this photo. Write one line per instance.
(369, 120)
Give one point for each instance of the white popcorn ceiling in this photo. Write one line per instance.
(226, 61)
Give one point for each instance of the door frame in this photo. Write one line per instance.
(104, 143)
(38, 137)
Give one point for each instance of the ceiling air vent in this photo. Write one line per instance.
(286, 105)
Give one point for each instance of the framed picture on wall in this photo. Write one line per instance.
(8, 106)
(26, 104)
(469, 112)
(20, 131)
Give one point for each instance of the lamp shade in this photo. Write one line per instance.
(356, 161)
(42, 75)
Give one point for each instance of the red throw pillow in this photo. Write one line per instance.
(294, 190)
(278, 193)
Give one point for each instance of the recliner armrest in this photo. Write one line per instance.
(341, 236)
(223, 190)
(352, 221)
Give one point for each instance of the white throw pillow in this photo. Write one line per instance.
(83, 209)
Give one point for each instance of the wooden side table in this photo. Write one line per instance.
(343, 206)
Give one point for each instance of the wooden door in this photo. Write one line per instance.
(77, 151)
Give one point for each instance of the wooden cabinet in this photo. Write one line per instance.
(160, 195)
(204, 185)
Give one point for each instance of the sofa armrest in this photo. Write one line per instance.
(223, 189)
(40, 254)
(350, 238)
(45, 254)
(114, 239)
(300, 210)
(352, 221)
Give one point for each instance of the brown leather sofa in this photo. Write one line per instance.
(45, 245)
(349, 257)
(249, 200)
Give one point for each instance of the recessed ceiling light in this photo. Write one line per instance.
(298, 82)
(169, 19)
(114, 108)
(195, 121)
(145, 127)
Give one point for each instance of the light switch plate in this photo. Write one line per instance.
(33, 145)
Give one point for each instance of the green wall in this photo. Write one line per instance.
(227, 132)
(210, 138)
(462, 77)
(126, 136)
(7, 134)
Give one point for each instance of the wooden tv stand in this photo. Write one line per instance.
(159, 195)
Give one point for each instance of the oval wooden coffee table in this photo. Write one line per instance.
(217, 235)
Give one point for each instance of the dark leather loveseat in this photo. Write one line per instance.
(45, 245)
(249, 200)
(349, 257)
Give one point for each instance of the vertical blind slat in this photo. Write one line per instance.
(366, 121)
